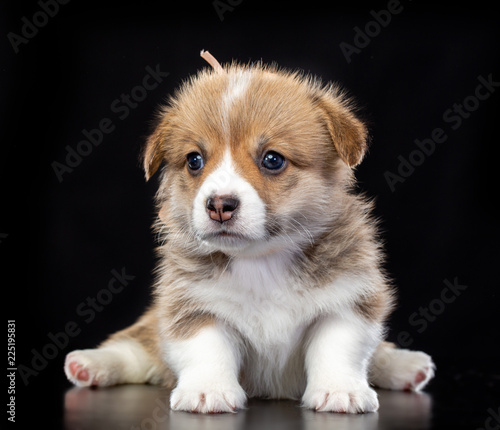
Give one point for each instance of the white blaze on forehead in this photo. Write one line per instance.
(236, 89)
(225, 181)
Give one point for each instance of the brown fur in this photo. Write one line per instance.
(145, 331)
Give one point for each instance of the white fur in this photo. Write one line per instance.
(272, 314)
(117, 362)
(207, 367)
(236, 88)
(338, 353)
(401, 369)
(237, 85)
(260, 290)
(250, 219)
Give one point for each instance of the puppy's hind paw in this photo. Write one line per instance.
(420, 378)
(401, 369)
(88, 368)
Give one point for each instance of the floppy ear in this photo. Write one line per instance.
(154, 152)
(348, 133)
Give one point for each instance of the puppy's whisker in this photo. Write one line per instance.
(226, 266)
(307, 232)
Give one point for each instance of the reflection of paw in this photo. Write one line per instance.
(404, 370)
(86, 368)
(352, 400)
(211, 400)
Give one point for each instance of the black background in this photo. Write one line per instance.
(60, 240)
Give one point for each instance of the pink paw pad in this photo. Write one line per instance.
(420, 377)
(77, 371)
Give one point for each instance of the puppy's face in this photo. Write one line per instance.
(254, 159)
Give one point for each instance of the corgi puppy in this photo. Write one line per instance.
(269, 281)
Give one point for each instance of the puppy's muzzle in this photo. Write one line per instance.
(222, 208)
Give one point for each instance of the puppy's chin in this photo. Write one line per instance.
(242, 245)
(231, 241)
(226, 242)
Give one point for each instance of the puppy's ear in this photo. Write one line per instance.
(154, 151)
(348, 133)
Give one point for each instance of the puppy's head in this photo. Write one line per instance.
(255, 159)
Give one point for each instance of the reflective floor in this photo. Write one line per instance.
(463, 395)
(146, 407)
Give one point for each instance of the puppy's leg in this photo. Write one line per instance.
(129, 356)
(337, 358)
(116, 362)
(207, 365)
(400, 369)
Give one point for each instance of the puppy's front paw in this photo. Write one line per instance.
(207, 398)
(346, 398)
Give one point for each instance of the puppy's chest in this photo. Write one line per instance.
(261, 299)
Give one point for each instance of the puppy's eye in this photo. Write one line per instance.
(194, 161)
(273, 161)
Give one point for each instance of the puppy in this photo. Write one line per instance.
(269, 281)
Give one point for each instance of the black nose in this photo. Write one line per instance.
(222, 208)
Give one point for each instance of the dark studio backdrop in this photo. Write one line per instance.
(77, 215)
